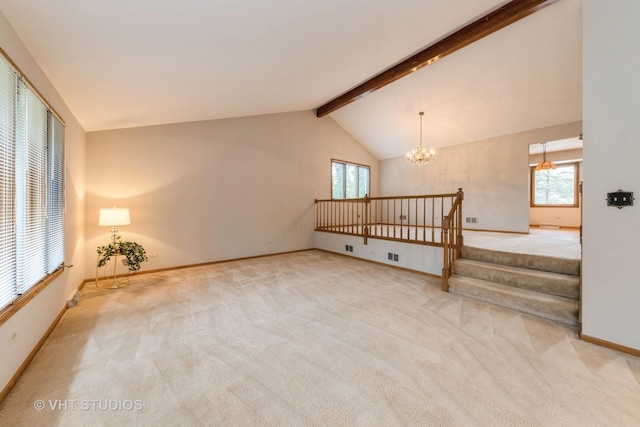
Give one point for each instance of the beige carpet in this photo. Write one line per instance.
(314, 339)
(554, 243)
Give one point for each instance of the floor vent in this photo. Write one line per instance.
(74, 299)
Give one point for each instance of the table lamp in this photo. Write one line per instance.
(114, 217)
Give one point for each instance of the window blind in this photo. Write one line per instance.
(31, 187)
(8, 91)
(55, 193)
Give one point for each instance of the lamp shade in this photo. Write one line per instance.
(114, 216)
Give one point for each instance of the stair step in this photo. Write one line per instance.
(534, 262)
(550, 307)
(563, 285)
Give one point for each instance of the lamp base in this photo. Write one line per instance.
(111, 282)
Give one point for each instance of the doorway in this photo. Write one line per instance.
(554, 188)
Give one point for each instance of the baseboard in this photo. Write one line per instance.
(495, 231)
(423, 273)
(84, 282)
(560, 227)
(31, 355)
(160, 270)
(180, 267)
(608, 344)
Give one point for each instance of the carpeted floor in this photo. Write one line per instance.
(314, 339)
(554, 243)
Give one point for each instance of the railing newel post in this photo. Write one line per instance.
(365, 225)
(459, 237)
(445, 266)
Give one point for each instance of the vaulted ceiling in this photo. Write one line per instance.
(126, 63)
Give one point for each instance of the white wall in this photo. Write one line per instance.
(215, 190)
(32, 321)
(427, 259)
(610, 284)
(564, 217)
(493, 173)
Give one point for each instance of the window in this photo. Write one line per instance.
(555, 187)
(349, 180)
(31, 187)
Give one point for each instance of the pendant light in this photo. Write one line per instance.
(545, 164)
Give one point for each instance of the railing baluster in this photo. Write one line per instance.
(361, 218)
(416, 220)
(394, 218)
(441, 217)
(409, 219)
(381, 217)
(401, 219)
(336, 220)
(387, 218)
(373, 215)
(352, 216)
(433, 217)
(324, 214)
(424, 219)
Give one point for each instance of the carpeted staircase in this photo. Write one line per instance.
(544, 286)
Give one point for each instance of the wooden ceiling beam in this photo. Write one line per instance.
(488, 24)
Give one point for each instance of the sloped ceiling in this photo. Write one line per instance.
(129, 63)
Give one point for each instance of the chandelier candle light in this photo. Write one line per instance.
(420, 155)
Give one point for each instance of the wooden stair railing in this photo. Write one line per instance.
(411, 219)
(452, 238)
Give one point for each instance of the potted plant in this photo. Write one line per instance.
(133, 253)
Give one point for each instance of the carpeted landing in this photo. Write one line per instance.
(314, 339)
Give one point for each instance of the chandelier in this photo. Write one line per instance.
(545, 164)
(420, 155)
